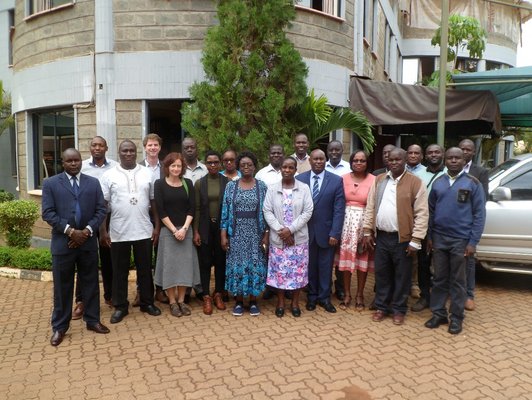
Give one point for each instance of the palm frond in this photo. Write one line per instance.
(344, 118)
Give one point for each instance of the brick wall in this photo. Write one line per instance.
(63, 33)
(318, 36)
(161, 25)
(129, 123)
(86, 129)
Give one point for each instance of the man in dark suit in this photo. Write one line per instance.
(73, 205)
(469, 150)
(325, 229)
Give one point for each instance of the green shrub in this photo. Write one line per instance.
(5, 256)
(40, 259)
(6, 196)
(16, 221)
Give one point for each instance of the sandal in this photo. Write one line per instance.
(344, 305)
(359, 305)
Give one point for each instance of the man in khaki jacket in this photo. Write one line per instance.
(395, 223)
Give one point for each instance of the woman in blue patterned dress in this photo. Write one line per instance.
(244, 235)
(287, 209)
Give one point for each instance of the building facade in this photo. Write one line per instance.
(122, 68)
(8, 170)
(420, 18)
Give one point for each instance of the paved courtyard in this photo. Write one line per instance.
(318, 356)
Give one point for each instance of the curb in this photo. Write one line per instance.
(42, 276)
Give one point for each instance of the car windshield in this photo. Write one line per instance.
(499, 169)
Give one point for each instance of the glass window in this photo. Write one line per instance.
(521, 186)
(332, 7)
(35, 6)
(11, 17)
(53, 133)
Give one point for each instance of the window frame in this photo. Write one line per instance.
(29, 4)
(37, 134)
(338, 5)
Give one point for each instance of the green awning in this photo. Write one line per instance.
(512, 87)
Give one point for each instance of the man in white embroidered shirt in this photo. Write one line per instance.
(128, 189)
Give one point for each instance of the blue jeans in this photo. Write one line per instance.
(449, 276)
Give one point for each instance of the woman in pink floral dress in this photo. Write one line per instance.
(287, 208)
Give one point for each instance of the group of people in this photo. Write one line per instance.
(281, 229)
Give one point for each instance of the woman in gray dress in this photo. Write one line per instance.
(177, 260)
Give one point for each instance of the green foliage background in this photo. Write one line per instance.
(16, 221)
(254, 79)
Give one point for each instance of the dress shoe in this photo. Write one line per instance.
(469, 305)
(225, 296)
(340, 295)
(420, 305)
(455, 327)
(118, 316)
(98, 328)
(311, 306)
(78, 311)
(218, 301)
(136, 303)
(279, 312)
(435, 322)
(207, 305)
(161, 296)
(328, 307)
(185, 309)
(378, 316)
(57, 338)
(151, 309)
(296, 312)
(398, 319)
(268, 294)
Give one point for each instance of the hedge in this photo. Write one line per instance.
(38, 259)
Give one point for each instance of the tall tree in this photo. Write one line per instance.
(254, 78)
(464, 33)
(6, 118)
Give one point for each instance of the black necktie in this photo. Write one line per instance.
(75, 186)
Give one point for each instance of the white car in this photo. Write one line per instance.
(506, 243)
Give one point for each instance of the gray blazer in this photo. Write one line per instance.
(302, 206)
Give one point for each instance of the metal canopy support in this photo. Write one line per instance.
(443, 71)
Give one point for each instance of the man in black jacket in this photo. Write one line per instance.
(469, 149)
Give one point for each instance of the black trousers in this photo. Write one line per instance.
(121, 254)
(393, 273)
(212, 254)
(424, 276)
(63, 270)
